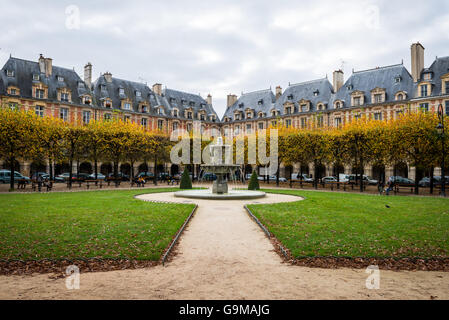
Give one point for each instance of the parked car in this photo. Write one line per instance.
(425, 182)
(81, 176)
(46, 176)
(209, 176)
(5, 176)
(281, 179)
(65, 176)
(305, 177)
(352, 178)
(120, 175)
(401, 180)
(145, 175)
(100, 176)
(163, 176)
(329, 179)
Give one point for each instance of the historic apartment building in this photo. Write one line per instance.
(380, 93)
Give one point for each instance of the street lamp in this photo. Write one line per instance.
(440, 130)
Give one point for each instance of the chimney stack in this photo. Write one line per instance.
(48, 66)
(88, 74)
(232, 98)
(157, 89)
(41, 63)
(339, 80)
(417, 52)
(278, 92)
(108, 77)
(209, 99)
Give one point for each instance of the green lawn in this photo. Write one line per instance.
(352, 225)
(103, 224)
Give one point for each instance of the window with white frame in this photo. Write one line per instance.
(86, 117)
(288, 123)
(64, 97)
(144, 122)
(64, 114)
(40, 93)
(175, 125)
(337, 122)
(160, 124)
(424, 90)
(39, 111)
(377, 115)
(303, 123)
(261, 125)
(127, 106)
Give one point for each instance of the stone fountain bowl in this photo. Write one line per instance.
(231, 195)
(219, 168)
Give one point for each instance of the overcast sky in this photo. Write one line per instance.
(222, 47)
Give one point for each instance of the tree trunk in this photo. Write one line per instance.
(431, 179)
(315, 172)
(361, 175)
(12, 169)
(132, 172)
(155, 171)
(70, 172)
(50, 165)
(277, 174)
(116, 172)
(96, 167)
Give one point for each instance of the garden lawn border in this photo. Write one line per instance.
(332, 262)
(58, 266)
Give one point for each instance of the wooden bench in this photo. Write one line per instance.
(117, 181)
(338, 184)
(397, 187)
(95, 182)
(21, 184)
(38, 185)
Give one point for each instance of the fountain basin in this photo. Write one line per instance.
(231, 195)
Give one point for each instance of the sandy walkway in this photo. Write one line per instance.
(223, 254)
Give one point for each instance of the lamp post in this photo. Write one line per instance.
(440, 130)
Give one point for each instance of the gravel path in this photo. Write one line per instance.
(223, 254)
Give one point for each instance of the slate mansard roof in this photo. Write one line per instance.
(23, 79)
(391, 78)
(316, 92)
(439, 68)
(183, 101)
(259, 101)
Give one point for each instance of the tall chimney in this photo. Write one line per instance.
(232, 98)
(209, 99)
(339, 80)
(108, 77)
(48, 66)
(417, 51)
(41, 63)
(88, 74)
(157, 88)
(278, 92)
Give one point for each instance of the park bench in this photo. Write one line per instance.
(117, 181)
(97, 183)
(21, 184)
(397, 187)
(38, 185)
(337, 184)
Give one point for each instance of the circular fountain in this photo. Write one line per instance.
(218, 165)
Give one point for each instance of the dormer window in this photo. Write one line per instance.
(64, 96)
(108, 104)
(175, 113)
(127, 106)
(189, 115)
(273, 113)
(40, 93)
(172, 100)
(427, 76)
(121, 91)
(400, 97)
(424, 90)
(80, 85)
(303, 108)
(338, 105)
(241, 105)
(138, 94)
(350, 87)
(103, 87)
(398, 79)
(316, 93)
(202, 117)
(260, 102)
(191, 103)
(36, 77)
(60, 79)
(248, 115)
(144, 109)
(183, 102)
(87, 100)
(378, 98)
(290, 97)
(13, 92)
(10, 73)
(357, 101)
(288, 110)
(202, 105)
(160, 111)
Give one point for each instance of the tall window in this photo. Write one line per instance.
(424, 107)
(288, 110)
(320, 121)
(400, 97)
(189, 115)
(175, 113)
(303, 123)
(40, 93)
(144, 122)
(424, 90)
(160, 124)
(357, 101)
(189, 127)
(237, 129)
(447, 108)
(447, 87)
(127, 106)
(13, 106)
(86, 117)
(64, 97)
(13, 92)
(288, 123)
(248, 128)
(202, 117)
(175, 125)
(39, 111)
(378, 98)
(107, 116)
(261, 125)
(378, 116)
(64, 114)
(337, 122)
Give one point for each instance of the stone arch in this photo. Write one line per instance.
(125, 168)
(86, 167)
(106, 168)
